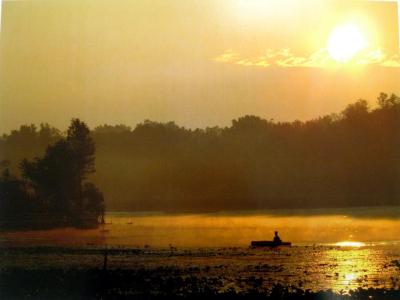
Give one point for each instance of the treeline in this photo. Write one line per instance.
(340, 160)
(52, 190)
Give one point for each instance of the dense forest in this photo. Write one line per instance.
(53, 191)
(340, 160)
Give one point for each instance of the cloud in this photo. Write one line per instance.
(227, 56)
(393, 62)
(285, 58)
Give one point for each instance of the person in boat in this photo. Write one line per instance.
(277, 239)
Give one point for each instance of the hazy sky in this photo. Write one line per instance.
(199, 63)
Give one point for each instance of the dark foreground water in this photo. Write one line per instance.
(159, 255)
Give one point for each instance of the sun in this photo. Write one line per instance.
(345, 42)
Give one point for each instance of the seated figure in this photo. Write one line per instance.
(277, 239)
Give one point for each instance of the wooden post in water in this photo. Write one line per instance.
(105, 259)
(102, 216)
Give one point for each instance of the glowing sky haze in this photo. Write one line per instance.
(199, 63)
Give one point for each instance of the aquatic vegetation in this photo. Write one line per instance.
(299, 272)
(151, 284)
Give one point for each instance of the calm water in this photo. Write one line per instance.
(216, 245)
(308, 227)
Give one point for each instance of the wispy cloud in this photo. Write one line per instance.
(285, 58)
(393, 62)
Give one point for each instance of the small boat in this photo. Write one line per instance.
(276, 242)
(255, 244)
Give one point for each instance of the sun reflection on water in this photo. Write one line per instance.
(353, 265)
(350, 244)
(349, 277)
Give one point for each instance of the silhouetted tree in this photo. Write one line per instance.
(93, 201)
(83, 148)
(82, 151)
(356, 110)
(15, 202)
(385, 102)
(54, 185)
(53, 179)
(346, 159)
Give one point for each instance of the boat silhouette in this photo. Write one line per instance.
(276, 242)
(269, 244)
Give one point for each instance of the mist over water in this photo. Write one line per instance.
(337, 249)
(301, 227)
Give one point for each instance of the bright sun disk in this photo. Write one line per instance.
(345, 42)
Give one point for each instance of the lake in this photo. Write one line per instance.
(337, 249)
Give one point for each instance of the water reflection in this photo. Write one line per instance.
(349, 277)
(350, 244)
(357, 267)
(314, 267)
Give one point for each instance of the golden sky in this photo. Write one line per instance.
(199, 63)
